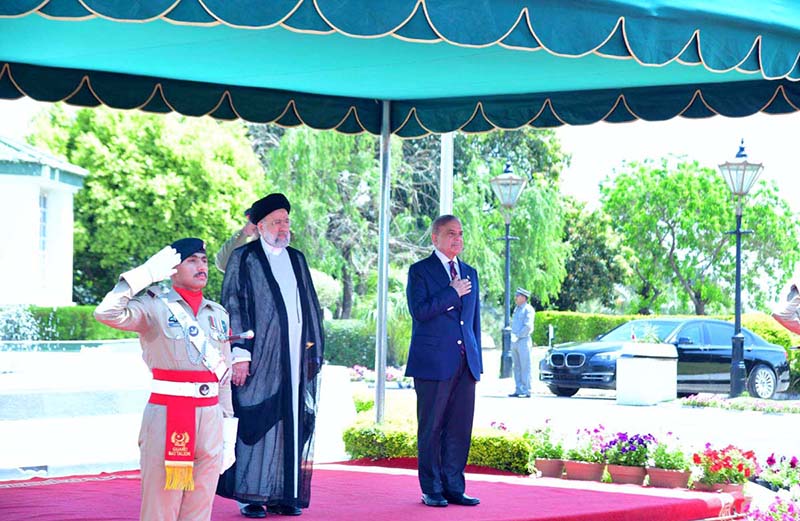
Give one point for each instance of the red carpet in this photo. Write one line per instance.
(340, 493)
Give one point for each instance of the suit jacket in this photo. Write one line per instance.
(440, 319)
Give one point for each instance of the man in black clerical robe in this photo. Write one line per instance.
(268, 289)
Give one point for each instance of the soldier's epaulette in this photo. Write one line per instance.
(217, 306)
(155, 291)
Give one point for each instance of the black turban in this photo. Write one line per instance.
(267, 205)
(188, 246)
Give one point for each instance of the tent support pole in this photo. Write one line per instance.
(381, 336)
(446, 174)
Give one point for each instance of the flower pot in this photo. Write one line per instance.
(706, 487)
(584, 471)
(733, 488)
(664, 478)
(550, 468)
(628, 474)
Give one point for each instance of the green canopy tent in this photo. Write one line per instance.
(407, 67)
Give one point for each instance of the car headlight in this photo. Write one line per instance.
(606, 357)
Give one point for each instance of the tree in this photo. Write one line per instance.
(595, 264)
(152, 179)
(538, 257)
(673, 218)
(332, 183)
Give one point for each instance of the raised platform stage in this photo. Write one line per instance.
(346, 492)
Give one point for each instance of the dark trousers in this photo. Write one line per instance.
(445, 410)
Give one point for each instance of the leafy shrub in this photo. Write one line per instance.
(74, 323)
(349, 343)
(328, 289)
(368, 440)
(500, 450)
(491, 448)
(767, 328)
(570, 326)
(363, 402)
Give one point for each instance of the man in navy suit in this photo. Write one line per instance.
(446, 362)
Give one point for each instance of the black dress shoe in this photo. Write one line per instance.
(253, 511)
(513, 395)
(284, 510)
(462, 499)
(523, 396)
(434, 500)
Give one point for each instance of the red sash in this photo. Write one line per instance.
(180, 440)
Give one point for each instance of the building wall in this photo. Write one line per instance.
(29, 275)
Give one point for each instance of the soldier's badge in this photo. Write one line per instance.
(173, 322)
(193, 331)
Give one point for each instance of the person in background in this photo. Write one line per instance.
(446, 362)
(268, 289)
(247, 233)
(188, 430)
(521, 329)
(787, 313)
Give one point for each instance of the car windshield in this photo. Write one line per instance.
(641, 330)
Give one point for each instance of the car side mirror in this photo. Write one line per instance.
(685, 340)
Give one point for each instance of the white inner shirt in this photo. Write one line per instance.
(284, 274)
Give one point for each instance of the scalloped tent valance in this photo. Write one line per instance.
(445, 64)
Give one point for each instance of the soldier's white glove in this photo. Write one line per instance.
(229, 428)
(514, 337)
(155, 269)
(162, 265)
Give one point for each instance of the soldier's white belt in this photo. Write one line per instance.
(188, 389)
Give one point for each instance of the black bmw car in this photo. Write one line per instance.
(704, 358)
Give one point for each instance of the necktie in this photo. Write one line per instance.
(454, 276)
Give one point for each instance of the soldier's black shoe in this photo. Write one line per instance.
(284, 510)
(434, 500)
(462, 499)
(253, 511)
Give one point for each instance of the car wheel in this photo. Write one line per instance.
(761, 382)
(563, 391)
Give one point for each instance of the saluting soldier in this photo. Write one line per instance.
(188, 430)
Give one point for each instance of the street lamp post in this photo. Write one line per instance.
(507, 187)
(740, 177)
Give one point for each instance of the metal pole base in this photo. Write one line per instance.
(505, 357)
(738, 370)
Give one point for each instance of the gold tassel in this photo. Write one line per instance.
(179, 477)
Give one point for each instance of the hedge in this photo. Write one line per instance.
(490, 448)
(349, 343)
(74, 323)
(352, 342)
(571, 326)
(387, 440)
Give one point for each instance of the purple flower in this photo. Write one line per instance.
(793, 462)
(771, 460)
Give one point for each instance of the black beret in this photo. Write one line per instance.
(188, 246)
(267, 205)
